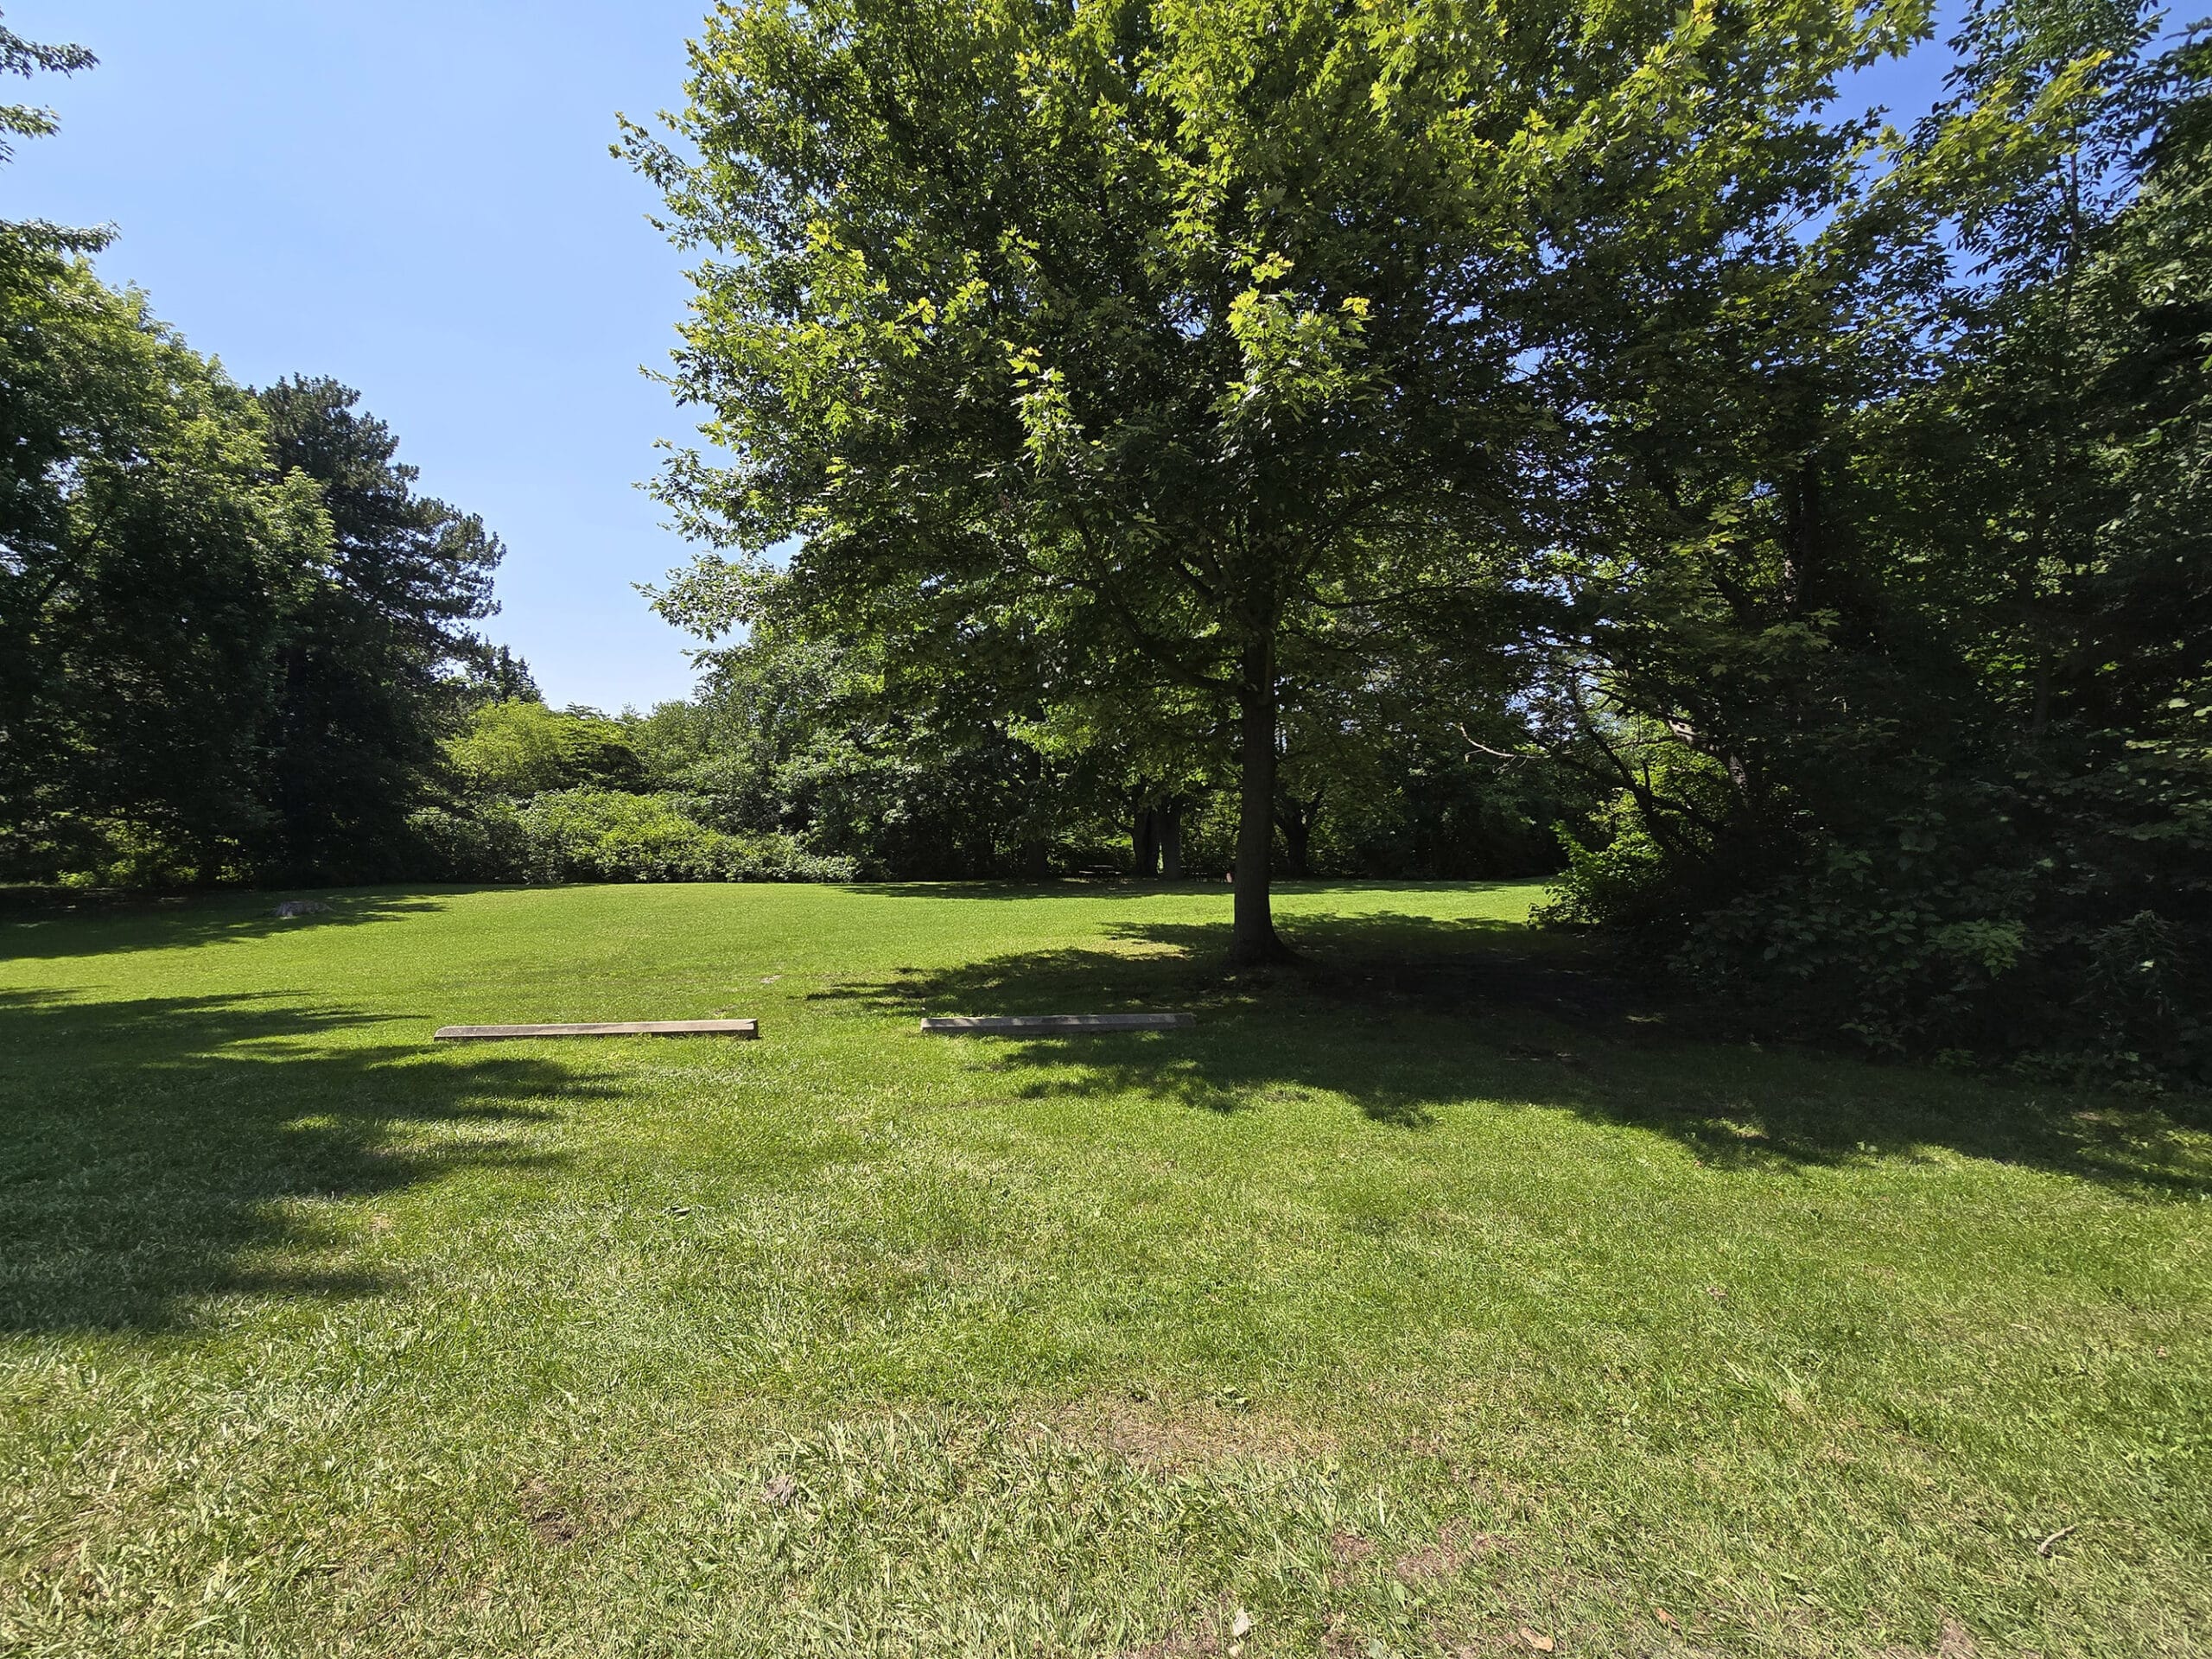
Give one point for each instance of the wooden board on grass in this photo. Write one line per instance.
(620, 1028)
(990, 1025)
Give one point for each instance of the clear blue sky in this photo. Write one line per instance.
(417, 198)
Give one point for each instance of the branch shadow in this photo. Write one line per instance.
(159, 1152)
(44, 924)
(1406, 1017)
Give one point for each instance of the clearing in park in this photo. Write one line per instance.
(1431, 1297)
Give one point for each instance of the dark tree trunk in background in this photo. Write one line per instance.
(1252, 932)
(1144, 843)
(1296, 817)
(1169, 818)
(983, 859)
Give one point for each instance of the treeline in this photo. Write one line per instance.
(241, 647)
(794, 763)
(801, 742)
(539, 794)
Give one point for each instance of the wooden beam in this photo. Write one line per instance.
(994, 1024)
(623, 1028)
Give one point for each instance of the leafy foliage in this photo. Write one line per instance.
(548, 795)
(1917, 737)
(610, 835)
(228, 623)
(519, 747)
(31, 241)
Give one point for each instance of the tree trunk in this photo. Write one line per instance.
(1144, 843)
(1170, 821)
(1297, 818)
(1252, 933)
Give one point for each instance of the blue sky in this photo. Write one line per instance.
(417, 198)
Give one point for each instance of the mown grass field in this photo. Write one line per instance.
(1421, 1301)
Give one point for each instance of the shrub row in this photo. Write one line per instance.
(602, 835)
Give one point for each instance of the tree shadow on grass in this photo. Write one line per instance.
(1123, 887)
(158, 1153)
(37, 924)
(1406, 1017)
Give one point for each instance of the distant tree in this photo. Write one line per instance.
(894, 758)
(494, 674)
(364, 700)
(226, 620)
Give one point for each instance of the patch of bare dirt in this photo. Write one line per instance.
(1953, 1641)
(1180, 1434)
(64, 1573)
(1451, 1552)
(547, 1513)
(1348, 1547)
(1175, 1647)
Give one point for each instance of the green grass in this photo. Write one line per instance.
(1411, 1298)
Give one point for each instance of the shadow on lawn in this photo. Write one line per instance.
(1406, 1016)
(152, 1150)
(46, 924)
(1123, 886)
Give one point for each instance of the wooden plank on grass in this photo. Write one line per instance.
(1000, 1023)
(620, 1028)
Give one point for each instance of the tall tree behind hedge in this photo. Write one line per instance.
(363, 699)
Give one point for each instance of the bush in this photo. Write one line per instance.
(602, 835)
(598, 834)
(1973, 919)
(478, 841)
(1901, 959)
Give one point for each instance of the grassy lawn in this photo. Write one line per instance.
(1397, 1308)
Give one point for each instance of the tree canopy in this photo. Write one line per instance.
(1299, 383)
(364, 692)
(1228, 346)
